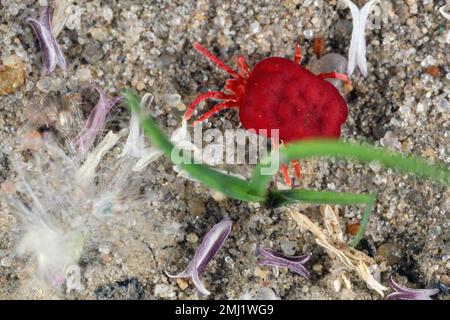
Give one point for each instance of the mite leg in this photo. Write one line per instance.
(284, 169)
(200, 98)
(287, 179)
(298, 54)
(217, 108)
(298, 169)
(215, 60)
(318, 46)
(335, 75)
(243, 68)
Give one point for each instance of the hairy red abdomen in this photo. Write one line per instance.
(281, 94)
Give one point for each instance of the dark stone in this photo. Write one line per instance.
(444, 289)
(367, 246)
(379, 130)
(4, 167)
(129, 289)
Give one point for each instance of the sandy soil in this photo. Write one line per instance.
(147, 45)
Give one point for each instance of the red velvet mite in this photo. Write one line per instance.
(279, 94)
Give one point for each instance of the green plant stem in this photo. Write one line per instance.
(281, 198)
(350, 151)
(363, 224)
(366, 153)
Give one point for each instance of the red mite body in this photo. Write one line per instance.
(279, 94)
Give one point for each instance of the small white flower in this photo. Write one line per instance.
(357, 51)
(135, 145)
(86, 173)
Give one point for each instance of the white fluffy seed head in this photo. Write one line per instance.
(61, 203)
(53, 250)
(67, 206)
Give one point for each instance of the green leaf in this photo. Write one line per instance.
(349, 151)
(365, 153)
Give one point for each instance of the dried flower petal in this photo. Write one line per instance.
(180, 138)
(357, 51)
(51, 53)
(95, 122)
(211, 244)
(135, 145)
(87, 171)
(278, 259)
(59, 16)
(403, 293)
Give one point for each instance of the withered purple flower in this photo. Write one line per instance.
(209, 247)
(95, 122)
(51, 53)
(403, 293)
(278, 259)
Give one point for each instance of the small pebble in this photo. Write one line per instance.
(32, 140)
(182, 283)
(261, 273)
(59, 16)
(196, 206)
(172, 100)
(99, 33)
(106, 258)
(288, 247)
(375, 166)
(12, 75)
(390, 141)
(389, 252)
(104, 249)
(318, 268)
(433, 71)
(352, 229)
(218, 196)
(8, 187)
(107, 13)
(164, 291)
(84, 75)
(45, 84)
(6, 262)
(266, 294)
(443, 105)
(192, 238)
